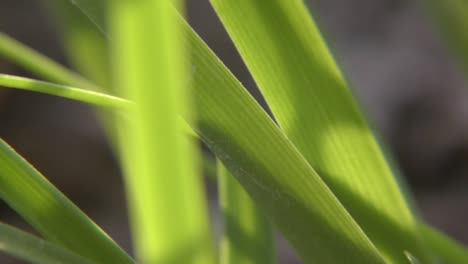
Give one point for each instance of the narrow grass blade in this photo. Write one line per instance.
(444, 249)
(77, 94)
(40, 64)
(293, 68)
(33, 249)
(94, 98)
(50, 70)
(265, 162)
(247, 234)
(84, 42)
(44, 207)
(452, 19)
(168, 209)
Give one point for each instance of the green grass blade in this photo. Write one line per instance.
(168, 209)
(77, 94)
(85, 44)
(33, 249)
(247, 234)
(293, 68)
(86, 96)
(40, 64)
(452, 19)
(52, 71)
(444, 249)
(273, 172)
(44, 207)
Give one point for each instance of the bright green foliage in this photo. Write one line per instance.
(270, 168)
(35, 250)
(452, 19)
(247, 234)
(65, 91)
(44, 207)
(166, 198)
(283, 49)
(232, 109)
(293, 68)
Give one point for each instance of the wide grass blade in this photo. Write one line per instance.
(86, 96)
(247, 234)
(168, 209)
(452, 19)
(25, 190)
(33, 249)
(308, 96)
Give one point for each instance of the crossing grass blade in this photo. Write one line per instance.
(269, 167)
(33, 249)
(247, 234)
(31, 195)
(291, 64)
(87, 96)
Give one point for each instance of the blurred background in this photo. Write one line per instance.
(401, 71)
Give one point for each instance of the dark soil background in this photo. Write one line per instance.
(401, 71)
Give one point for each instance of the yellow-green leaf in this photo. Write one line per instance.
(52, 214)
(292, 66)
(35, 250)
